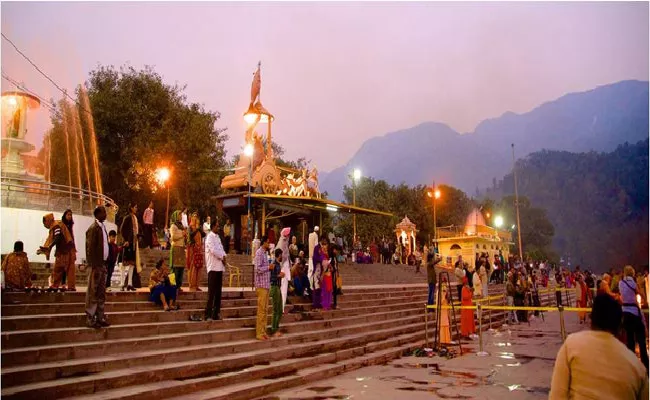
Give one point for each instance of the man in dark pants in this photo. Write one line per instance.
(215, 258)
(97, 250)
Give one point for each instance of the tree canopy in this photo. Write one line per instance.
(142, 124)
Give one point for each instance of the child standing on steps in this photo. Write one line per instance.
(276, 295)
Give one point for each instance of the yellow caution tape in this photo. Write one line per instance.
(517, 308)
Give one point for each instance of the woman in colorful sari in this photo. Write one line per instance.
(194, 260)
(467, 326)
(177, 236)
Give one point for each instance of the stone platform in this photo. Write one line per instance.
(147, 353)
(352, 274)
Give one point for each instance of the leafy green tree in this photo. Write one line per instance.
(143, 124)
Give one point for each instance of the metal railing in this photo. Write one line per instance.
(34, 194)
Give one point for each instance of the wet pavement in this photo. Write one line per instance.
(519, 366)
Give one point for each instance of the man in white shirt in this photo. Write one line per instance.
(215, 260)
(594, 364)
(97, 256)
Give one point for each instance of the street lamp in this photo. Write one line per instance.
(162, 176)
(356, 175)
(249, 151)
(435, 194)
(498, 221)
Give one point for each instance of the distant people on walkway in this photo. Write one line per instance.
(215, 262)
(277, 275)
(317, 276)
(327, 286)
(262, 285)
(432, 261)
(459, 273)
(113, 255)
(467, 325)
(511, 291)
(228, 235)
(64, 255)
(313, 241)
(633, 318)
(148, 230)
(195, 256)
(594, 364)
(130, 249)
(97, 253)
(177, 237)
(162, 292)
(299, 276)
(293, 249)
(18, 275)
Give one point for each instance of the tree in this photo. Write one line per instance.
(142, 124)
(401, 200)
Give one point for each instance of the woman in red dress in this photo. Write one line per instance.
(467, 326)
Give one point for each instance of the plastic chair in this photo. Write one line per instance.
(233, 272)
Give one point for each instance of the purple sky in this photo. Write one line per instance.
(337, 73)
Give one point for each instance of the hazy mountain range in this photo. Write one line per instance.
(598, 120)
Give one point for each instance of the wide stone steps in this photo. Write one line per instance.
(203, 334)
(147, 353)
(48, 353)
(194, 356)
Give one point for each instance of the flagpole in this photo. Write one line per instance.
(514, 172)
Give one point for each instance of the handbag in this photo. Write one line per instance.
(172, 278)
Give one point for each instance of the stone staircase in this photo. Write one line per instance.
(147, 353)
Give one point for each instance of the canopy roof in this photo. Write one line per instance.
(317, 204)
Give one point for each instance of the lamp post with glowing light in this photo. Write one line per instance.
(434, 194)
(356, 175)
(249, 151)
(162, 176)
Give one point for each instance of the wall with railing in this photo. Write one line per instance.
(34, 194)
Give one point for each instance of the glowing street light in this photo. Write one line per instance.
(356, 174)
(435, 194)
(249, 150)
(498, 221)
(162, 176)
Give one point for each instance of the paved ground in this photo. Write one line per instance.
(519, 366)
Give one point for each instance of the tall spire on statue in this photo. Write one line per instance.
(257, 84)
